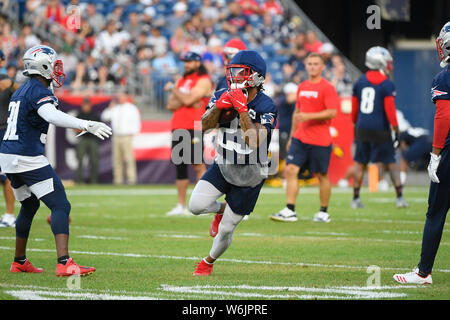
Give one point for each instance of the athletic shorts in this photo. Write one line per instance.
(374, 152)
(308, 156)
(40, 182)
(242, 200)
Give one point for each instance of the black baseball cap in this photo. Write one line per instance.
(191, 56)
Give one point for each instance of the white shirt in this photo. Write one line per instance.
(125, 119)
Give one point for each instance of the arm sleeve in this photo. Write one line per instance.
(389, 109)
(441, 123)
(49, 113)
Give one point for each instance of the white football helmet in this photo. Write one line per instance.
(443, 45)
(42, 60)
(379, 58)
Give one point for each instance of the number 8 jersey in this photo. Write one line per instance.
(373, 108)
(26, 131)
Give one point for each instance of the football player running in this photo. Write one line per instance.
(241, 165)
(374, 114)
(32, 107)
(438, 169)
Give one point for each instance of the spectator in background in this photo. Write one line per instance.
(30, 38)
(133, 27)
(87, 145)
(286, 108)
(95, 19)
(163, 61)
(249, 7)
(209, 12)
(157, 41)
(178, 17)
(236, 21)
(273, 7)
(213, 59)
(312, 44)
(107, 41)
(55, 12)
(2, 62)
(340, 78)
(126, 122)
(327, 50)
(178, 42)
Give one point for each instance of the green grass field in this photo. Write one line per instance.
(140, 253)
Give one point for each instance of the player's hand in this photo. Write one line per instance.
(224, 101)
(239, 100)
(396, 142)
(98, 129)
(433, 166)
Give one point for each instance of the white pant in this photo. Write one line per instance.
(204, 200)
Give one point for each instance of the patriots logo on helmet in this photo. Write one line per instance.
(46, 50)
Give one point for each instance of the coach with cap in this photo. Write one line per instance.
(188, 100)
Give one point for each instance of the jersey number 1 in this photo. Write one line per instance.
(13, 109)
(367, 100)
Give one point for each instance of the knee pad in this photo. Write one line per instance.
(26, 214)
(182, 171)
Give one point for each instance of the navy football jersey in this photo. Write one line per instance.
(261, 110)
(371, 115)
(440, 90)
(372, 124)
(26, 131)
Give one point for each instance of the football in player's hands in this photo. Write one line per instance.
(227, 115)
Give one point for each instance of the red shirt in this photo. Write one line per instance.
(315, 97)
(184, 117)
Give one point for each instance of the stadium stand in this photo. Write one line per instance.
(137, 44)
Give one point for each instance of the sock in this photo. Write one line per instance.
(63, 259)
(204, 259)
(291, 207)
(355, 193)
(399, 191)
(20, 260)
(402, 178)
(323, 209)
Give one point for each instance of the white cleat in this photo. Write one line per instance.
(8, 221)
(357, 204)
(322, 217)
(412, 278)
(401, 203)
(285, 215)
(179, 210)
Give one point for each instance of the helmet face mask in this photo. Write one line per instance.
(241, 76)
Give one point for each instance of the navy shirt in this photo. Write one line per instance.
(440, 90)
(26, 131)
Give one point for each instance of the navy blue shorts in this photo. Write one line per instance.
(308, 156)
(242, 200)
(374, 152)
(40, 182)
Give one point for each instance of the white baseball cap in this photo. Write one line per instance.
(290, 87)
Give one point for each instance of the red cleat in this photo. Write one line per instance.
(71, 268)
(214, 228)
(26, 267)
(203, 269)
